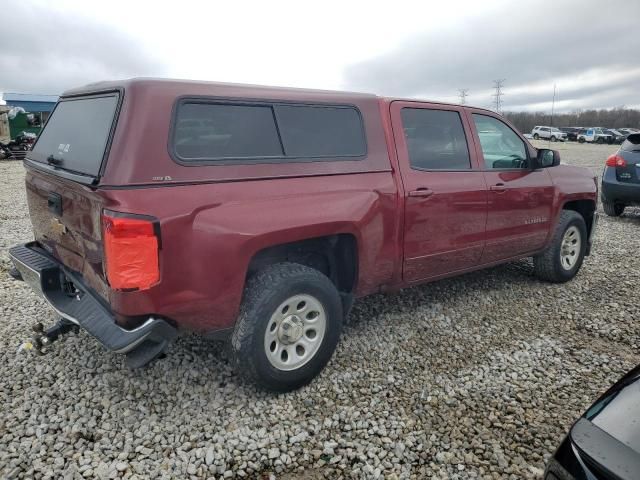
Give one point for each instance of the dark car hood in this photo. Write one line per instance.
(606, 440)
(617, 412)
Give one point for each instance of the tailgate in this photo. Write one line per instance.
(630, 151)
(66, 221)
(630, 173)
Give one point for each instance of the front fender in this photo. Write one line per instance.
(572, 184)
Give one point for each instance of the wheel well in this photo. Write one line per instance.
(335, 255)
(586, 208)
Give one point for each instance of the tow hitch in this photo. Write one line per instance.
(43, 339)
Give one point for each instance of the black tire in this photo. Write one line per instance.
(548, 265)
(264, 293)
(553, 138)
(612, 209)
(581, 140)
(536, 136)
(600, 140)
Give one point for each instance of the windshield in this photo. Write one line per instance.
(76, 135)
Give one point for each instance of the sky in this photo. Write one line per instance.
(423, 49)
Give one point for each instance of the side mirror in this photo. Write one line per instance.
(547, 158)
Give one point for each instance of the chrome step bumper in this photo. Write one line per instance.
(45, 275)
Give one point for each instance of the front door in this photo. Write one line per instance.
(520, 198)
(445, 193)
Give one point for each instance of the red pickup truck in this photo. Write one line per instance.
(259, 214)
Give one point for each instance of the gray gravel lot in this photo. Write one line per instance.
(474, 377)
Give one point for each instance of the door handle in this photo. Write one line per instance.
(498, 188)
(421, 192)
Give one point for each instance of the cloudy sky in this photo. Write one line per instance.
(422, 49)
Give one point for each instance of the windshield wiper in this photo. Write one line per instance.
(51, 160)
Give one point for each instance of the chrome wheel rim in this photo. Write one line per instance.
(295, 332)
(570, 248)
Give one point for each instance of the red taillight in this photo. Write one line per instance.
(616, 160)
(131, 251)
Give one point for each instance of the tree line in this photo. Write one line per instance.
(613, 118)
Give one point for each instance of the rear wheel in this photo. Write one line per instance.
(581, 140)
(536, 136)
(599, 140)
(612, 209)
(289, 325)
(553, 138)
(561, 261)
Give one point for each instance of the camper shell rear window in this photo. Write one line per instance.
(216, 132)
(77, 134)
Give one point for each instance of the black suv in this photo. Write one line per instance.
(572, 133)
(621, 177)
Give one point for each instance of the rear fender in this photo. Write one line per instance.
(236, 232)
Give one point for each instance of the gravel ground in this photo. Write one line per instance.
(474, 377)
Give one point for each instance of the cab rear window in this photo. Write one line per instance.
(220, 133)
(76, 135)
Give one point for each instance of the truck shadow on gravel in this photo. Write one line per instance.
(451, 290)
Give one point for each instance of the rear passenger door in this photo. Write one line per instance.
(445, 195)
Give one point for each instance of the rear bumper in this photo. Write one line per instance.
(72, 300)
(619, 192)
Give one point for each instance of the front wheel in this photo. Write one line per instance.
(581, 140)
(289, 325)
(562, 259)
(536, 136)
(553, 138)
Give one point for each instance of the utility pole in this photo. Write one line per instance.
(498, 85)
(463, 93)
(553, 104)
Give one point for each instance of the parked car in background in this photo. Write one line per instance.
(621, 177)
(594, 135)
(616, 136)
(259, 214)
(628, 131)
(548, 133)
(604, 444)
(572, 132)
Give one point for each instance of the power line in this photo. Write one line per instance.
(498, 85)
(463, 93)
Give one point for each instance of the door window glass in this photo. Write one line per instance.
(502, 147)
(435, 139)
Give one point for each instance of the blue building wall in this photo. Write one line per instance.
(31, 103)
